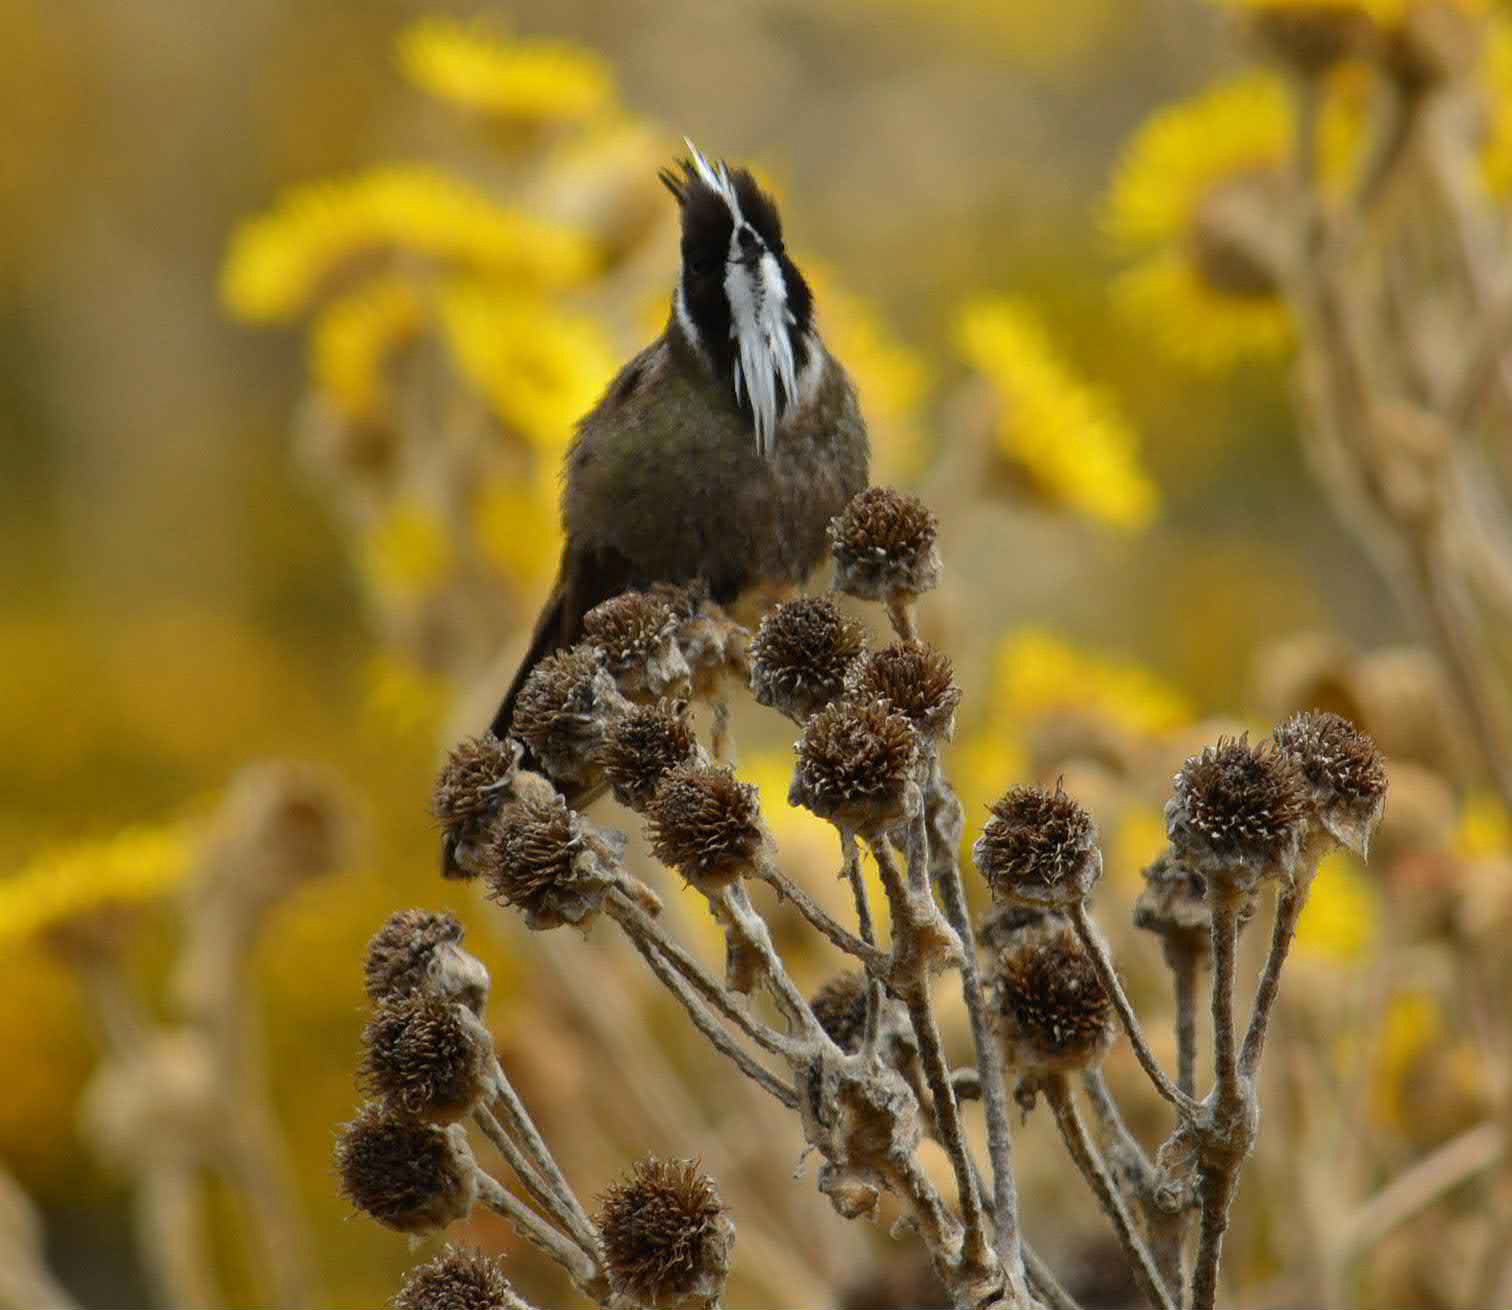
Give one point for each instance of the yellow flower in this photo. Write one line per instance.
(280, 261)
(354, 338)
(1343, 915)
(1383, 10)
(516, 523)
(1141, 836)
(1066, 437)
(135, 867)
(1484, 830)
(1413, 1025)
(407, 552)
(1037, 673)
(542, 81)
(1497, 152)
(540, 368)
(403, 698)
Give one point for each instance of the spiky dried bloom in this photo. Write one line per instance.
(856, 764)
(427, 1057)
(1039, 850)
(547, 861)
(563, 711)
(840, 1007)
(801, 653)
(642, 746)
(1238, 814)
(883, 543)
(456, 1280)
(1174, 906)
(472, 785)
(667, 1235)
(1343, 772)
(408, 1175)
(420, 950)
(705, 823)
(713, 645)
(1001, 925)
(916, 680)
(1051, 1010)
(637, 633)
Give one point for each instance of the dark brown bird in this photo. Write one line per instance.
(720, 452)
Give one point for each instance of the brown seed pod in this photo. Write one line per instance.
(470, 789)
(706, 824)
(801, 653)
(856, 765)
(1342, 771)
(642, 746)
(840, 1007)
(408, 1175)
(883, 543)
(916, 680)
(1039, 850)
(1052, 1013)
(564, 710)
(420, 950)
(456, 1280)
(667, 1235)
(637, 633)
(427, 1057)
(547, 861)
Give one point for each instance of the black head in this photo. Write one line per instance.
(741, 301)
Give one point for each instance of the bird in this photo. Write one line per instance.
(720, 452)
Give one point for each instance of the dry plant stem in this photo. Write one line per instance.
(584, 1271)
(26, 1283)
(863, 947)
(900, 610)
(733, 908)
(1044, 1284)
(851, 855)
(1098, 951)
(540, 1191)
(1289, 902)
(1074, 1133)
(1185, 965)
(171, 1223)
(507, 1100)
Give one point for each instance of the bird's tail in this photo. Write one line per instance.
(546, 640)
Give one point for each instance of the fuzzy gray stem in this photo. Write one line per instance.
(733, 908)
(541, 1192)
(862, 947)
(583, 1270)
(508, 1101)
(1044, 1284)
(1289, 903)
(1185, 964)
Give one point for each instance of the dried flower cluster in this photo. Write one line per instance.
(667, 1235)
(855, 764)
(1039, 850)
(801, 655)
(407, 1174)
(884, 545)
(705, 823)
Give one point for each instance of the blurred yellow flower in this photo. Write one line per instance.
(481, 69)
(1384, 10)
(1497, 151)
(135, 867)
(1484, 830)
(1046, 36)
(1413, 1025)
(1037, 673)
(1343, 915)
(356, 335)
(282, 260)
(1067, 438)
(540, 368)
(1141, 836)
(402, 697)
(406, 553)
(516, 523)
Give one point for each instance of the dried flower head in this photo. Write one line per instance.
(420, 950)
(1344, 774)
(1237, 815)
(456, 1280)
(1174, 906)
(916, 680)
(427, 1057)
(472, 785)
(548, 861)
(705, 823)
(712, 644)
(1039, 850)
(280, 824)
(667, 1235)
(884, 545)
(856, 764)
(1002, 924)
(840, 1007)
(801, 653)
(641, 747)
(637, 633)
(563, 711)
(1310, 37)
(1052, 1012)
(408, 1175)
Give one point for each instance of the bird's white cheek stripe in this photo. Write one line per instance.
(759, 319)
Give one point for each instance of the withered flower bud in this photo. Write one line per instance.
(642, 746)
(706, 824)
(1039, 850)
(1432, 43)
(1052, 1013)
(1174, 906)
(884, 546)
(840, 1007)
(563, 711)
(801, 653)
(1311, 37)
(667, 1235)
(472, 785)
(456, 1280)
(1003, 923)
(1343, 773)
(420, 950)
(408, 1175)
(1238, 815)
(916, 680)
(427, 1057)
(549, 862)
(712, 644)
(856, 765)
(637, 632)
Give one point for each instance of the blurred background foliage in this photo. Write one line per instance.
(450, 212)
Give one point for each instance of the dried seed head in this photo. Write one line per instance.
(472, 785)
(642, 746)
(456, 1280)
(1237, 815)
(1432, 44)
(705, 823)
(280, 825)
(1344, 774)
(1174, 906)
(1039, 850)
(1002, 924)
(563, 711)
(406, 1174)
(1311, 37)
(916, 680)
(801, 653)
(884, 545)
(427, 1057)
(549, 862)
(667, 1235)
(420, 950)
(713, 645)
(856, 764)
(840, 1007)
(1052, 1012)
(637, 632)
